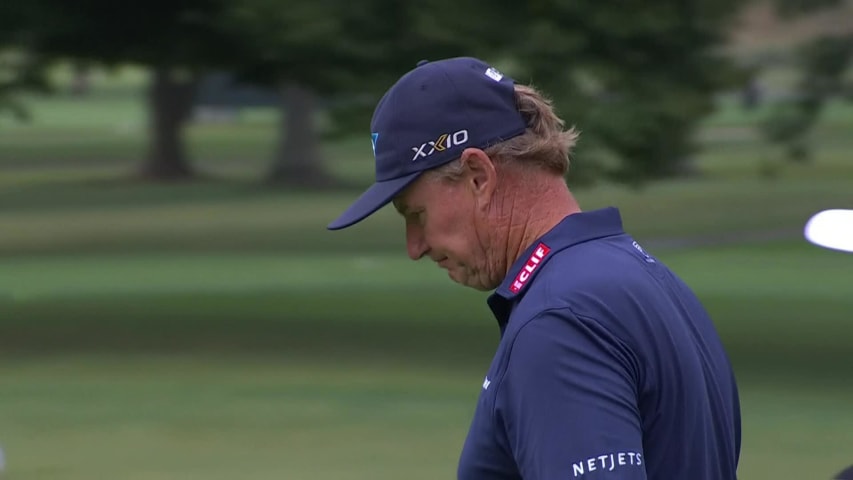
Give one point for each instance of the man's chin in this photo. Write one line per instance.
(471, 282)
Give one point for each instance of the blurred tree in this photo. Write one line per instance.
(178, 40)
(21, 68)
(636, 78)
(341, 55)
(822, 63)
(790, 8)
(334, 53)
(81, 80)
(301, 50)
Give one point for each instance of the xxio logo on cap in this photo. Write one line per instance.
(442, 143)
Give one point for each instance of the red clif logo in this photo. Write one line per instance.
(532, 263)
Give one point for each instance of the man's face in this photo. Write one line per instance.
(443, 223)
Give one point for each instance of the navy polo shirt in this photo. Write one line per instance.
(608, 367)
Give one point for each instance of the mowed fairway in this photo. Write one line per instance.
(358, 367)
(226, 418)
(214, 329)
(235, 417)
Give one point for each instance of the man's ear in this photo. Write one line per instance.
(480, 175)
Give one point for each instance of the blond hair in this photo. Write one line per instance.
(545, 144)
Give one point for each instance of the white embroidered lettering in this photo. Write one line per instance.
(600, 462)
(578, 468)
(531, 265)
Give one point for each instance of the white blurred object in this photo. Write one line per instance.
(831, 229)
(2, 461)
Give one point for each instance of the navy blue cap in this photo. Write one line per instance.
(428, 118)
(847, 474)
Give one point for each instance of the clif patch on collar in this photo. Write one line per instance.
(532, 264)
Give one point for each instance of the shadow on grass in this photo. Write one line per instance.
(766, 337)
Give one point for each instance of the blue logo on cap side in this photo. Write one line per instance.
(373, 139)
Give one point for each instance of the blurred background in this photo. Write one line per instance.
(172, 306)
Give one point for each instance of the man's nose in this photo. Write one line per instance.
(415, 243)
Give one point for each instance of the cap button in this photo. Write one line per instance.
(422, 62)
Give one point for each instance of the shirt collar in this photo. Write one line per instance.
(573, 229)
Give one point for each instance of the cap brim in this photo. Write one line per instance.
(374, 198)
(831, 229)
(845, 475)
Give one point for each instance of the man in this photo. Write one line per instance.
(608, 367)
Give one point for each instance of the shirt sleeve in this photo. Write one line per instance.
(568, 402)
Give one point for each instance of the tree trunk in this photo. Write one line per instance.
(81, 81)
(170, 102)
(297, 158)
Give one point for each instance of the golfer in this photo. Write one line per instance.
(608, 366)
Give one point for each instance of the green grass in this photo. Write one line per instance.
(730, 114)
(208, 418)
(777, 305)
(124, 217)
(211, 366)
(66, 187)
(159, 417)
(214, 329)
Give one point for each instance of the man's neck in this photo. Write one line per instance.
(535, 211)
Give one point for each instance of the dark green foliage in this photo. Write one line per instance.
(351, 52)
(636, 79)
(161, 34)
(20, 68)
(822, 64)
(790, 8)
